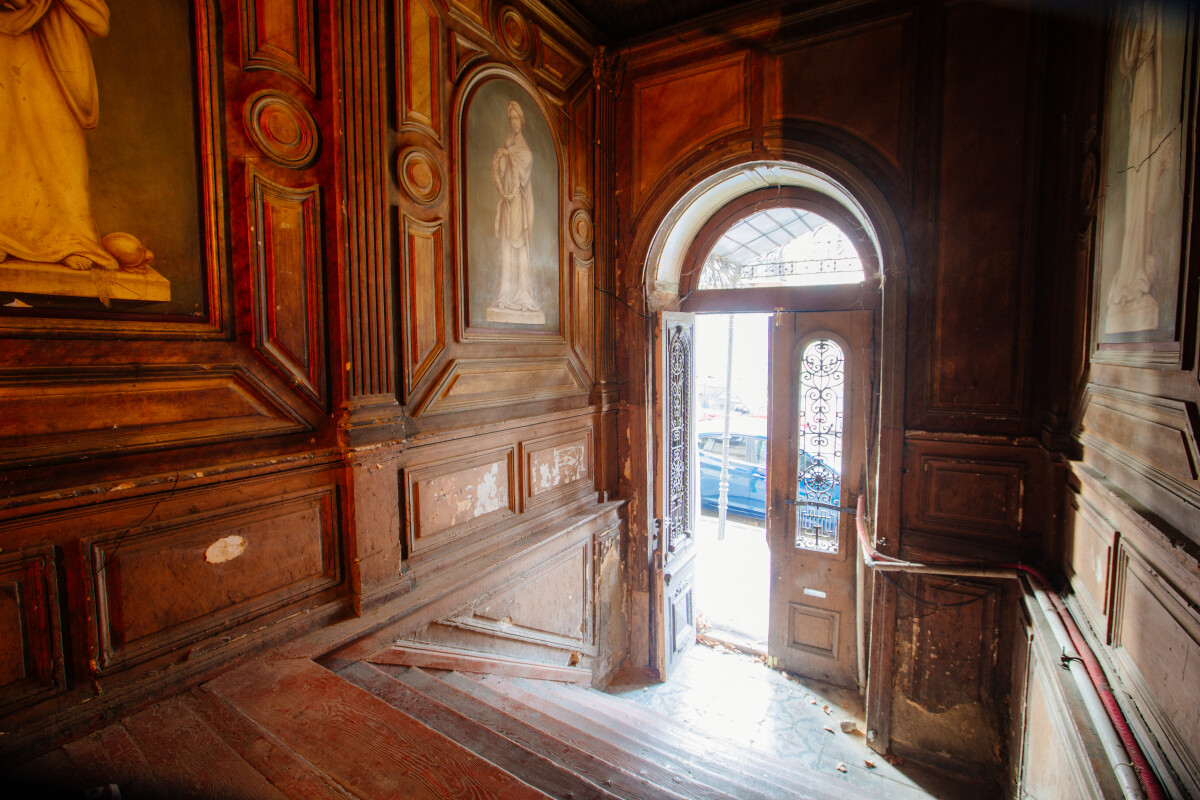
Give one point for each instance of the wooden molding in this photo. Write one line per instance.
(486, 383)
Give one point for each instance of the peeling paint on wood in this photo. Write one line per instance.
(225, 549)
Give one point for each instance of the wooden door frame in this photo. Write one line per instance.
(844, 183)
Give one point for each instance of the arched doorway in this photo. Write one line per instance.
(864, 321)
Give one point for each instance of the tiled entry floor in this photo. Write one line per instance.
(739, 699)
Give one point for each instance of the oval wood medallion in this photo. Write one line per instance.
(514, 33)
(581, 228)
(420, 176)
(282, 128)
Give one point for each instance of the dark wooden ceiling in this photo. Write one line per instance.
(622, 20)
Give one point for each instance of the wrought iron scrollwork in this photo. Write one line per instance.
(819, 456)
(679, 436)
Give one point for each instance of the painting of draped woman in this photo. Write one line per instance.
(98, 204)
(1142, 223)
(511, 204)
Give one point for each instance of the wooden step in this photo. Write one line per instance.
(433, 656)
(615, 771)
(374, 751)
(633, 719)
(165, 751)
(526, 763)
(729, 767)
(689, 778)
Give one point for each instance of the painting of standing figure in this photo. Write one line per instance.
(1143, 199)
(512, 171)
(100, 196)
(511, 203)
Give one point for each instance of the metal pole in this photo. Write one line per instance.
(723, 487)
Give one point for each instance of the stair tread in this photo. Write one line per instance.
(189, 759)
(612, 768)
(618, 711)
(277, 762)
(722, 779)
(508, 754)
(370, 748)
(672, 740)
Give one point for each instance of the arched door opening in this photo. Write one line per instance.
(826, 325)
(804, 254)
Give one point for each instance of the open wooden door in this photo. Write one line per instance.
(674, 575)
(820, 368)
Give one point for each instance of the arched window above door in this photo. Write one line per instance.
(781, 246)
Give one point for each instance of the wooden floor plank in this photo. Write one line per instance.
(51, 775)
(618, 772)
(373, 750)
(511, 756)
(277, 762)
(111, 756)
(190, 761)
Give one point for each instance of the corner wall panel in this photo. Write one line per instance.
(288, 301)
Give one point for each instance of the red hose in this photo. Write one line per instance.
(1141, 766)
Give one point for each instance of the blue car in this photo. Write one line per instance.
(748, 471)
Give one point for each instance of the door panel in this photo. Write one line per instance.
(675, 466)
(820, 365)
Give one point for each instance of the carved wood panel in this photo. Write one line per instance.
(552, 605)
(954, 645)
(487, 383)
(973, 492)
(289, 318)
(58, 416)
(216, 569)
(872, 64)
(447, 499)
(583, 337)
(419, 48)
(979, 300)
(423, 280)
(1156, 633)
(676, 112)
(278, 36)
(31, 658)
(1090, 539)
(556, 465)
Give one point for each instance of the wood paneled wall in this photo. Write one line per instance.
(942, 108)
(327, 431)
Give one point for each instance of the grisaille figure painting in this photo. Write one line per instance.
(1143, 202)
(91, 184)
(512, 210)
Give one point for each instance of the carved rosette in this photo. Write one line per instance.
(513, 32)
(581, 228)
(282, 129)
(420, 176)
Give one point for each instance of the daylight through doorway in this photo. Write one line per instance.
(733, 561)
